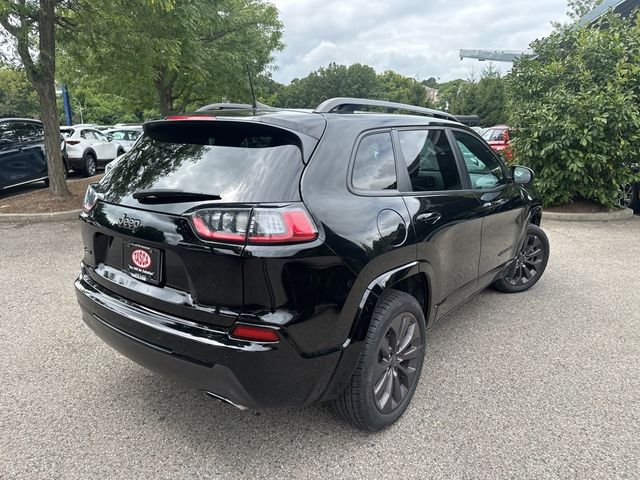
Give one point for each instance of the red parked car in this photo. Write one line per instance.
(498, 138)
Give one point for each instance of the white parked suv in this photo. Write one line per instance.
(124, 136)
(89, 148)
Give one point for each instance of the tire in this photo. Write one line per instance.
(120, 152)
(635, 203)
(383, 384)
(90, 165)
(529, 265)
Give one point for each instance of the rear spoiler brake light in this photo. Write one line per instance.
(190, 117)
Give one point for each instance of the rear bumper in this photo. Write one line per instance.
(247, 374)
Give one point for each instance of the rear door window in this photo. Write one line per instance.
(374, 167)
(7, 135)
(239, 161)
(28, 132)
(430, 160)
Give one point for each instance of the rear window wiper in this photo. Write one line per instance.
(171, 196)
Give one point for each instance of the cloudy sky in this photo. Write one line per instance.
(418, 38)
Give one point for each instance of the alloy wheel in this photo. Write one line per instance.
(91, 166)
(626, 195)
(528, 261)
(398, 360)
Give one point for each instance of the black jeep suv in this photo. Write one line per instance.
(278, 258)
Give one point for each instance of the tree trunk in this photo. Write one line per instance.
(45, 86)
(164, 87)
(55, 165)
(166, 104)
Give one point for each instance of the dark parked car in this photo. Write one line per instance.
(284, 257)
(630, 192)
(22, 153)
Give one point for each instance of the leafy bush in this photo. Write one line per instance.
(575, 110)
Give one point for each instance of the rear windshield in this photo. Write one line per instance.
(240, 163)
(67, 132)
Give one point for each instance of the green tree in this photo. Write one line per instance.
(576, 110)
(398, 88)
(334, 80)
(357, 80)
(451, 95)
(189, 53)
(17, 96)
(579, 8)
(490, 98)
(29, 30)
(485, 97)
(431, 82)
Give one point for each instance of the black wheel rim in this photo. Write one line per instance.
(399, 357)
(528, 262)
(626, 195)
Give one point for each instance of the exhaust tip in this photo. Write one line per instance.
(225, 400)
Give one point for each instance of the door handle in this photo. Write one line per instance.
(430, 217)
(495, 203)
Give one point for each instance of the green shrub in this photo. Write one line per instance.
(575, 110)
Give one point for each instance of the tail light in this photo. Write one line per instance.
(259, 226)
(73, 142)
(223, 225)
(91, 197)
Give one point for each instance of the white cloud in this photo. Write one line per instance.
(419, 38)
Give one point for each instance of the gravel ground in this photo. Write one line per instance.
(544, 384)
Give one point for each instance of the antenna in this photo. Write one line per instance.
(254, 104)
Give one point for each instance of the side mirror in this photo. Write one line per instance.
(521, 175)
(110, 138)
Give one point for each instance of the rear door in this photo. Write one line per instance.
(32, 136)
(503, 208)
(446, 216)
(11, 162)
(89, 140)
(98, 144)
(24, 161)
(106, 149)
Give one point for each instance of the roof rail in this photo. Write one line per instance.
(232, 106)
(348, 105)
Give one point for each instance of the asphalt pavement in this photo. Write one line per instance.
(543, 384)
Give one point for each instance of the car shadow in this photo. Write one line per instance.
(203, 423)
